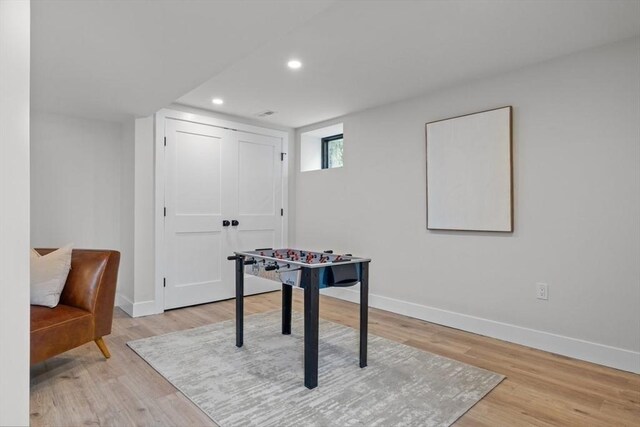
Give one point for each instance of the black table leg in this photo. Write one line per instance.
(286, 309)
(364, 312)
(311, 319)
(239, 300)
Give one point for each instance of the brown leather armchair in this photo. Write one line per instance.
(85, 311)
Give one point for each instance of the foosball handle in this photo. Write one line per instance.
(270, 267)
(328, 252)
(246, 262)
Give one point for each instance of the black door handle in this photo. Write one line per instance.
(235, 222)
(225, 223)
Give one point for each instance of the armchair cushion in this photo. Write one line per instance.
(60, 327)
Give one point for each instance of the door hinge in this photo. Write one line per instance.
(282, 156)
(164, 282)
(165, 211)
(281, 212)
(165, 141)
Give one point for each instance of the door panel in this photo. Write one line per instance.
(256, 178)
(187, 223)
(197, 174)
(259, 199)
(193, 253)
(194, 236)
(197, 270)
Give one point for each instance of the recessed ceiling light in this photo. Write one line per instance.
(217, 101)
(294, 64)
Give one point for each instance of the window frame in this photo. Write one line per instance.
(325, 148)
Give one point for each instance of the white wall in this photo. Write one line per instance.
(81, 186)
(137, 217)
(310, 153)
(144, 270)
(14, 212)
(125, 276)
(577, 204)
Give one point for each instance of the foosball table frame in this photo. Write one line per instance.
(329, 271)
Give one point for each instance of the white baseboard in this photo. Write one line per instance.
(124, 303)
(138, 309)
(601, 354)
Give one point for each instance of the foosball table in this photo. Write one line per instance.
(310, 271)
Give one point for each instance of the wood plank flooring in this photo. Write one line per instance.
(80, 387)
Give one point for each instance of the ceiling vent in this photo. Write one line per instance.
(266, 113)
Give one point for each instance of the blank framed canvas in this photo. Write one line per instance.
(469, 172)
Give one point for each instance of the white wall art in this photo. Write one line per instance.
(469, 172)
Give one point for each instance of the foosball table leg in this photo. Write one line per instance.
(310, 278)
(364, 312)
(286, 309)
(239, 300)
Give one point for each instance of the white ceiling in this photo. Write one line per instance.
(109, 59)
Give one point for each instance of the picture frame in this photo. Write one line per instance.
(469, 161)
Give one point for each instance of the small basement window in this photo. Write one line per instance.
(322, 148)
(332, 148)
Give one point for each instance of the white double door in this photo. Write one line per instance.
(215, 175)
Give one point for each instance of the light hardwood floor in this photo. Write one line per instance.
(80, 387)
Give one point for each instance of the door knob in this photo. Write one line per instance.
(225, 223)
(235, 222)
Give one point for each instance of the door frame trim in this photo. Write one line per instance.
(159, 200)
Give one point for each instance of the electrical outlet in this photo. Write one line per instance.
(542, 291)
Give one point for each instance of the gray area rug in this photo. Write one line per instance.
(261, 384)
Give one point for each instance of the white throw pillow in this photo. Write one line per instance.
(34, 255)
(48, 275)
